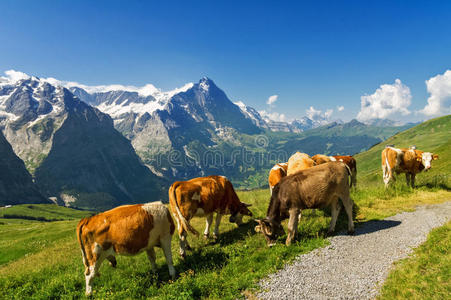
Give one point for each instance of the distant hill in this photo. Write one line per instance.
(432, 136)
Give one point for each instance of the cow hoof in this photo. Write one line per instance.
(215, 237)
(206, 236)
(188, 247)
(329, 233)
(351, 232)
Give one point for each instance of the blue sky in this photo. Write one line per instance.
(317, 53)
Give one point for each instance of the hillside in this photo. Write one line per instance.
(16, 185)
(432, 136)
(47, 262)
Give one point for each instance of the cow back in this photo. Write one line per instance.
(298, 162)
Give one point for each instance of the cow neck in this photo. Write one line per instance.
(273, 212)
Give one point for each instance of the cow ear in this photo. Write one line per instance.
(435, 157)
(247, 205)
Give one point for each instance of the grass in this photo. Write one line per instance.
(426, 274)
(213, 270)
(47, 262)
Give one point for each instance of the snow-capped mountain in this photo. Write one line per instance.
(172, 120)
(71, 147)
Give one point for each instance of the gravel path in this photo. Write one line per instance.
(352, 267)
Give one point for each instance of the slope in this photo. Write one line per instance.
(16, 185)
(433, 136)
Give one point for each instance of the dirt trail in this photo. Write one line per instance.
(354, 267)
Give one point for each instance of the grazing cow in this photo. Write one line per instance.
(351, 163)
(277, 172)
(125, 230)
(409, 161)
(298, 162)
(204, 196)
(316, 187)
(347, 159)
(322, 159)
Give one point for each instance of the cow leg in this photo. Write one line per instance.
(348, 203)
(217, 222)
(408, 179)
(292, 225)
(387, 176)
(183, 244)
(412, 180)
(152, 257)
(270, 190)
(207, 225)
(354, 179)
(335, 210)
(93, 269)
(166, 246)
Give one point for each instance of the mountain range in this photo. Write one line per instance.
(71, 148)
(98, 147)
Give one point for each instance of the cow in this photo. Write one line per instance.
(315, 187)
(321, 159)
(298, 162)
(347, 159)
(276, 173)
(409, 161)
(204, 196)
(351, 163)
(125, 230)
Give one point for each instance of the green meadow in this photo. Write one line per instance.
(40, 256)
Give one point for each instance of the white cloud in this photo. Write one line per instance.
(273, 116)
(387, 100)
(340, 108)
(318, 115)
(13, 76)
(439, 87)
(272, 99)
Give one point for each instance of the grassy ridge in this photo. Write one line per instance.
(42, 212)
(426, 274)
(22, 236)
(432, 136)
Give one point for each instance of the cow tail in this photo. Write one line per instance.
(80, 240)
(183, 222)
(349, 174)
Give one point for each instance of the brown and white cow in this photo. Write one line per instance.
(347, 159)
(315, 187)
(277, 172)
(204, 196)
(125, 230)
(409, 161)
(298, 162)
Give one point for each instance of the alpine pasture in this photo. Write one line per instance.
(40, 256)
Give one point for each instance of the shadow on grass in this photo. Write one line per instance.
(238, 233)
(429, 185)
(371, 227)
(207, 257)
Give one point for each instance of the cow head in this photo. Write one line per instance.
(426, 159)
(243, 210)
(270, 230)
